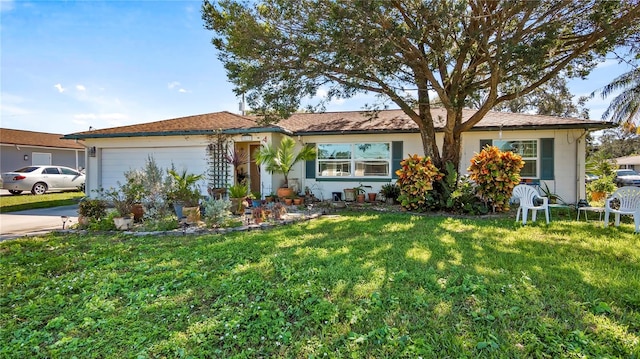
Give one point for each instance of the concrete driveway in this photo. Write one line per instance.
(35, 221)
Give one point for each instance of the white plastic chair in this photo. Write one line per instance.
(527, 196)
(629, 199)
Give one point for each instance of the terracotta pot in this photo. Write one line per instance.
(598, 196)
(297, 201)
(360, 198)
(372, 197)
(138, 212)
(192, 214)
(284, 192)
(288, 201)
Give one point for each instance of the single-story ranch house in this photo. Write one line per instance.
(19, 148)
(353, 148)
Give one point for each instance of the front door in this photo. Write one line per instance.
(254, 169)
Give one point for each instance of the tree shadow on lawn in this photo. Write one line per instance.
(370, 285)
(449, 286)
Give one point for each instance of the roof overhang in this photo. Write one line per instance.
(596, 126)
(232, 131)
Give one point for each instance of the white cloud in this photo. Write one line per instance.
(176, 85)
(59, 87)
(81, 88)
(6, 5)
(11, 105)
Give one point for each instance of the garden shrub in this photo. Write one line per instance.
(415, 179)
(216, 211)
(495, 173)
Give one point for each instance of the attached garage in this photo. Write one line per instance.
(116, 161)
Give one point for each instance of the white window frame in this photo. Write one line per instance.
(351, 171)
(537, 158)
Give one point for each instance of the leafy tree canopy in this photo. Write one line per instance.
(280, 52)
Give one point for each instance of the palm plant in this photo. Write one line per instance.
(282, 158)
(185, 187)
(625, 107)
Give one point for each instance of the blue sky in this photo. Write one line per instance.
(68, 65)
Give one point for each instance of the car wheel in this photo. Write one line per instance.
(14, 192)
(39, 188)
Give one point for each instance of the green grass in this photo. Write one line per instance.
(26, 201)
(363, 285)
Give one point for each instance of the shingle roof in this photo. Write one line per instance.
(330, 123)
(40, 139)
(398, 121)
(197, 124)
(628, 160)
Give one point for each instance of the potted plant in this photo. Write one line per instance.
(238, 193)
(185, 192)
(256, 199)
(282, 158)
(270, 197)
(552, 196)
(349, 194)
(258, 214)
(123, 205)
(391, 192)
(289, 200)
(278, 210)
(360, 192)
(600, 187)
(135, 190)
(91, 210)
(238, 158)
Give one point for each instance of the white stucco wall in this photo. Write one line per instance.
(569, 152)
(569, 155)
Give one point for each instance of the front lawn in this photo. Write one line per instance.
(24, 201)
(363, 285)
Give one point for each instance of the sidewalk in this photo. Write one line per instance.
(36, 221)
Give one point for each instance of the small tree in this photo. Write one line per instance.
(496, 173)
(415, 178)
(282, 158)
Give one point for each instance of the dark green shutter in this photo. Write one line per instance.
(396, 157)
(484, 143)
(546, 159)
(310, 166)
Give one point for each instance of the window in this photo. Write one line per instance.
(68, 171)
(528, 149)
(354, 159)
(51, 171)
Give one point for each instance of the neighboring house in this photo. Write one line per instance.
(353, 148)
(632, 162)
(25, 148)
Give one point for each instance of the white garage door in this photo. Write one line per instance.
(116, 161)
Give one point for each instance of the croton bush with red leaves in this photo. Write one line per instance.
(495, 173)
(415, 179)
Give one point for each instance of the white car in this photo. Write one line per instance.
(40, 179)
(627, 177)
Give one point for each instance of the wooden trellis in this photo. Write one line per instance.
(218, 169)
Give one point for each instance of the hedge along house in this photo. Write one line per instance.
(19, 148)
(354, 148)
